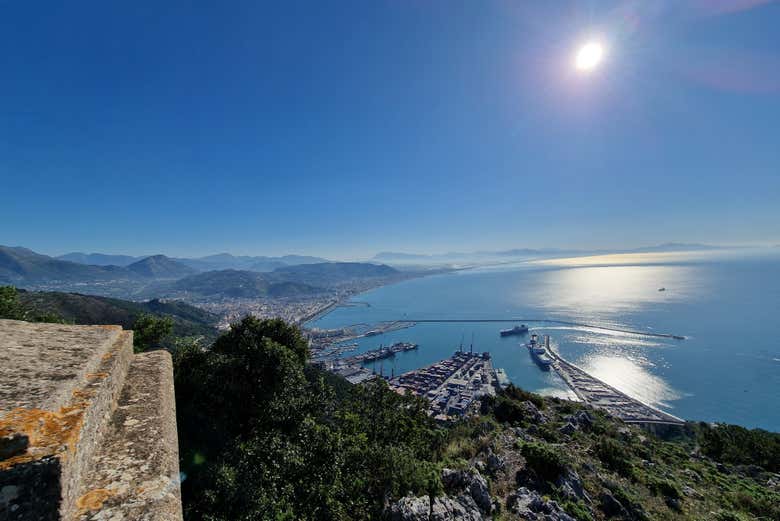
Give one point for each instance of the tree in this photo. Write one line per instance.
(150, 330)
(11, 307)
(264, 436)
(9, 303)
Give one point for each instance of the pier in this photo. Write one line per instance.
(594, 392)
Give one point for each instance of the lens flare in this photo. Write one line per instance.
(589, 56)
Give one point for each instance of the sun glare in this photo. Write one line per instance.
(589, 56)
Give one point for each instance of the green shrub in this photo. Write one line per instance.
(545, 460)
(515, 393)
(664, 487)
(577, 510)
(741, 446)
(614, 455)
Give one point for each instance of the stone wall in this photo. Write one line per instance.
(87, 428)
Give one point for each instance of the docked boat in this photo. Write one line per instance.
(517, 330)
(539, 352)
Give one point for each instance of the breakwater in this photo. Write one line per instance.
(543, 321)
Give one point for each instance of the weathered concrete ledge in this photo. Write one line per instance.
(59, 390)
(135, 472)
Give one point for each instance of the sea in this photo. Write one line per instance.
(726, 305)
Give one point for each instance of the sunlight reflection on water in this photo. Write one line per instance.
(631, 377)
(594, 291)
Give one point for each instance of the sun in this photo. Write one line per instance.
(589, 56)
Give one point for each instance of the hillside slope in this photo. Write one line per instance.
(20, 265)
(334, 273)
(160, 267)
(88, 309)
(237, 284)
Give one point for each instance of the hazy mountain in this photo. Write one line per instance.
(238, 284)
(477, 256)
(333, 273)
(90, 309)
(99, 259)
(225, 261)
(219, 261)
(160, 267)
(675, 246)
(20, 265)
(266, 265)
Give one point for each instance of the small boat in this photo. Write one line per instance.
(661, 289)
(517, 330)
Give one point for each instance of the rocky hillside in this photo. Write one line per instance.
(537, 458)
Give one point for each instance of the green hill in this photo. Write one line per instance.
(236, 284)
(326, 274)
(88, 309)
(23, 266)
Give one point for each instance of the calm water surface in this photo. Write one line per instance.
(726, 304)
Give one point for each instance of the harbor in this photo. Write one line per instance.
(453, 386)
(352, 367)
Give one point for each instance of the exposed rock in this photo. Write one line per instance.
(582, 420)
(691, 492)
(533, 414)
(529, 505)
(571, 486)
(495, 463)
(693, 475)
(470, 483)
(444, 508)
(410, 508)
(568, 429)
(611, 506)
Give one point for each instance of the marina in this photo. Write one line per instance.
(351, 367)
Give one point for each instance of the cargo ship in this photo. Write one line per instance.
(517, 330)
(540, 352)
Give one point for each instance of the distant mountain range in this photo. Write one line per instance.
(99, 259)
(410, 258)
(219, 261)
(20, 265)
(161, 276)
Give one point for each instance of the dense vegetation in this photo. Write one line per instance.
(263, 435)
(155, 323)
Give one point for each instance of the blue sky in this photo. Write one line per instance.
(347, 128)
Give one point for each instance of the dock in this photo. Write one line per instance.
(453, 386)
(594, 392)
